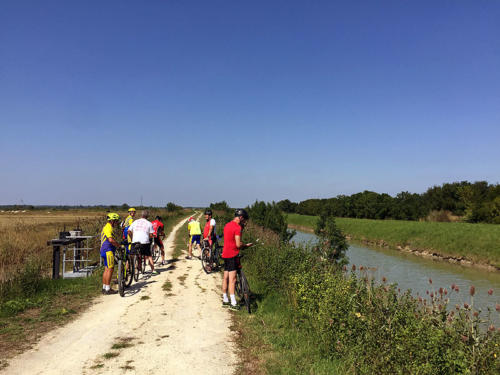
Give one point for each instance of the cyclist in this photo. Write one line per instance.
(142, 233)
(209, 233)
(194, 230)
(232, 247)
(126, 224)
(108, 247)
(158, 235)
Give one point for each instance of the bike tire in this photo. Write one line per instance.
(216, 257)
(156, 254)
(136, 268)
(237, 286)
(121, 280)
(206, 256)
(245, 290)
(129, 274)
(143, 259)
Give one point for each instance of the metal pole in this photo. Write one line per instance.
(56, 261)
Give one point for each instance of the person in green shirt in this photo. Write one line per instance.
(195, 236)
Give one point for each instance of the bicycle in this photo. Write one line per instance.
(206, 257)
(242, 287)
(134, 260)
(124, 276)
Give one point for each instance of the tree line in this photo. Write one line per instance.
(469, 201)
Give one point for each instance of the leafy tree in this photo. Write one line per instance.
(270, 216)
(287, 206)
(220, 206)
(332, 242)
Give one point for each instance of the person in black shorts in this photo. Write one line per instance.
(232, 247)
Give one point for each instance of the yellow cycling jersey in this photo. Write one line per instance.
(106, 234)
(194, 228)
(128, 221)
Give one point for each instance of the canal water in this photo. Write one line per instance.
(413, 272)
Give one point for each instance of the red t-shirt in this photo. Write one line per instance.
(231, 230)
(156, 224)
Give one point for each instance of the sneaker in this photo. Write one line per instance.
(111, 291)
(226, 304)
(188, 257)
(234, 307)
(103, 291)
(155, 272)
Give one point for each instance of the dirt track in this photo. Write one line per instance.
(181, 331)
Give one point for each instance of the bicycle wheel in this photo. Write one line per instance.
(136, 267)
(216, 257)
(121, 279)
(156, 253)
(129, 273)
(206, 256)
(237, 286)
(245, 290)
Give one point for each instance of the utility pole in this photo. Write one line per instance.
(141, 200)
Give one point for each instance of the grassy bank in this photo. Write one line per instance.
(312, 317)
(479, 243)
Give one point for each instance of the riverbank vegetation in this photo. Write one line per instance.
(479, 243)
(314, 316)
(459, 201)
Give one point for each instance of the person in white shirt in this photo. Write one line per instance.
(142, 234)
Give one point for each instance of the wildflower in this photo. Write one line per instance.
(453, 286)
(490, 292)
(472, 290)
(491, 328)
(497, 307)
(430, 281)
(353, 268)
(465, 338)
(427, 292)
(441, 291)
(476, 314)
(457, 289)
(432, 295)
(420, 299)
(466, 305)
(445, 292)
(386, 288)
(361, 268)
(344, 268)
(358, 314)
(384, 280)
(399, 290)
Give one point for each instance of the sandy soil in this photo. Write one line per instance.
(180, 331)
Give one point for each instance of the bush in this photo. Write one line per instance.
(372, 328)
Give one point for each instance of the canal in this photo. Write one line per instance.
(413, 272)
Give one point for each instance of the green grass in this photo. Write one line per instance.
(272, 342)
(24, 318)
(479, 243)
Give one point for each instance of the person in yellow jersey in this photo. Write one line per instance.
(195, 236)
(126, 224)
(108, 247)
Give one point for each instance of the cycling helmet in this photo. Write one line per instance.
(208, 212)
(241, 212)
(112, 216)
(158, 218)
(131, 209)
(191, 219)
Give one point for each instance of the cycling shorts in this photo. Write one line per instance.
(196, 238)
(144, 249)
(158, 242)
(109, 259)
(232, 264)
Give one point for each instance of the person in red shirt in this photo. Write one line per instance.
(158, 234)
(232, 247)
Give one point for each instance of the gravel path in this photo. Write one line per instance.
(153, 330)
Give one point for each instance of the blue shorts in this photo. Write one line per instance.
(109, 259)
(196, 239)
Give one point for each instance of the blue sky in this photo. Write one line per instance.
(202, 101)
